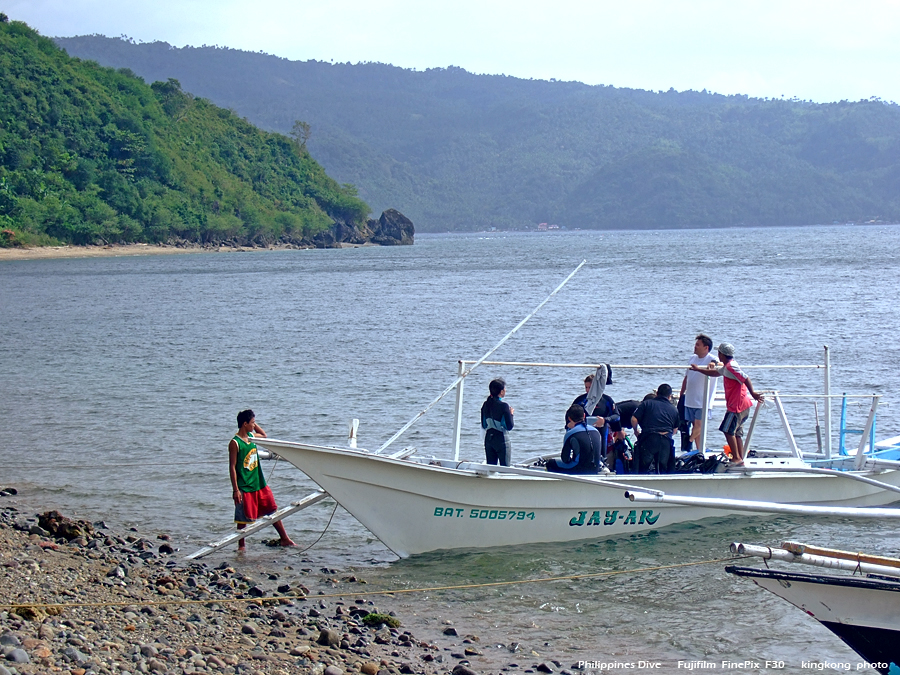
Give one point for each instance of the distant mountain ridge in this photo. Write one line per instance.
(453, 150)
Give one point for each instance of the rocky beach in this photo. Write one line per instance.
(77, 597)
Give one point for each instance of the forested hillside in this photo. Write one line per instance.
(454, 150)
(91, 155)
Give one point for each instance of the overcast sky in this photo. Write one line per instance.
(822, 50)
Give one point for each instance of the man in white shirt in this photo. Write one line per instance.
(692, 388)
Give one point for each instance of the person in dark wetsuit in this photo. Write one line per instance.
(605, 411)
(581, 447)
(497, 419)
(657, 419)
(620, 455)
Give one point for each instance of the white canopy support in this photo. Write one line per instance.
(837, 563)
(261, 523)
(867, 432)
(749, 436)
(766, 507)
(792, 442)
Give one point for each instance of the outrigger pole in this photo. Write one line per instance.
(464, 374)
(822, 557)
(260, 523)
(766, 507)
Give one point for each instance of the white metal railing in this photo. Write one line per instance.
(777, 398)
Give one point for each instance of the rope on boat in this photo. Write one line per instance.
(357, 594)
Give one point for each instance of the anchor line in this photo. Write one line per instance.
(319, 538)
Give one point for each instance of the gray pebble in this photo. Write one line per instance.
(333, 670)
(462, 670)
(329, 637)
(10, 639)
(18, 656)
(148, 651)
(156, 666)
(249, 628)
(74, 655)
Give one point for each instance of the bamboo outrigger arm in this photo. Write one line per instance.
(832, 559)
(260, 523)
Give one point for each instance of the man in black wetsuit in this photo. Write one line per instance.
(581, 447)
(497, 420)
(658, 420)
(605, 411)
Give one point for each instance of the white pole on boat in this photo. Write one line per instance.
(768, 553)
(867, 431)
(457, 431)
(351, 441)
(818, 427)
(750, 430)
(766, 507)
(792, 442)
(484, 358)
(845, 475)
(705, 414)
(827, 403)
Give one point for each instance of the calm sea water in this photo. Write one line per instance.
(122, 378)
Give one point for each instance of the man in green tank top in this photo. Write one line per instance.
(252, 497)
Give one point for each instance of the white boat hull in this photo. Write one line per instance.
(414, 508)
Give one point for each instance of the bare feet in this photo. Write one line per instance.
(287, 543)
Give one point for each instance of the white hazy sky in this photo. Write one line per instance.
(823, 50)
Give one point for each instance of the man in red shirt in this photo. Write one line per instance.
(739, 397)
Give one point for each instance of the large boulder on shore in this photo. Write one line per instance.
(392, 229)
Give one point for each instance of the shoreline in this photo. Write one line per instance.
(79, 597)
(117, 250)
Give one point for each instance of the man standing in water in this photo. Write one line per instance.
(252, 497)
(739, 396)
(692, 388)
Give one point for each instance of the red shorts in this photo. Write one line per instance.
(259, 503)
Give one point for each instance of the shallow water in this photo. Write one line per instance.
(122, 377)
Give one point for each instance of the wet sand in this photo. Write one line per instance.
(52, 252)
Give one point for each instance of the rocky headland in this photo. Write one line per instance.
(391, 229)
